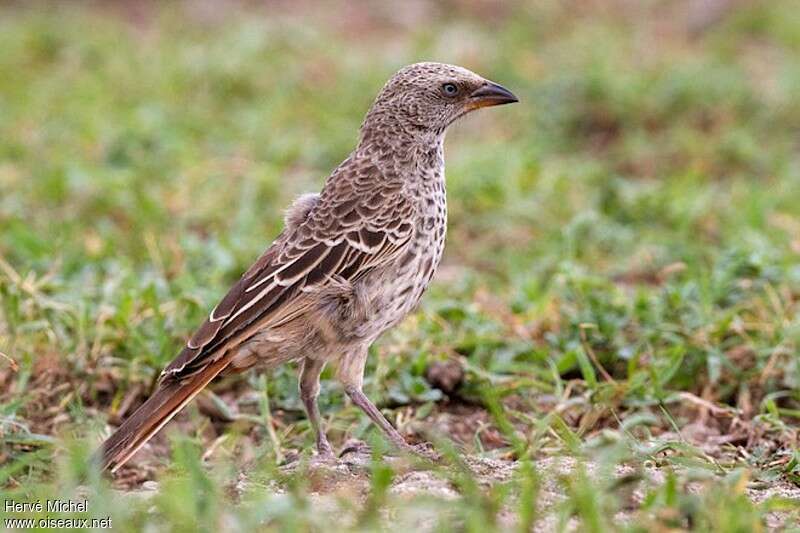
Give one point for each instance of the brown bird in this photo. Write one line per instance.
(351, 262)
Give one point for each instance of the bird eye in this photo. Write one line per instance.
(450, 89)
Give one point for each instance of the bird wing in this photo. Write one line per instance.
(354, 228)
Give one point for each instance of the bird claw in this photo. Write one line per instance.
(357, 447)
(324, 459)
(425, 450)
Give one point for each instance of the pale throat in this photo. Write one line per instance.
(406, 145)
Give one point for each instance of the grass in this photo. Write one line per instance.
(620, 288)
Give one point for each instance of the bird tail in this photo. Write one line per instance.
(170, 397)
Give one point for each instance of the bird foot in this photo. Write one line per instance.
(355, 447)
(425, 450)
(324, 454)
(324, 460)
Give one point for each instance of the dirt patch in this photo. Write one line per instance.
(348, 480)
(50, 388)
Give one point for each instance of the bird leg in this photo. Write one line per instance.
(309, 391)
(360, 399)
(351, 375)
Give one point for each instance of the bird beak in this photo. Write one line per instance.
(490, 94)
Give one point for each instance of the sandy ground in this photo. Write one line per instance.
(349, 478)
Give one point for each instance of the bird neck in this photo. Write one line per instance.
(392, 140)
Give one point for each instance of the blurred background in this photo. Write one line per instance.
(625, 236)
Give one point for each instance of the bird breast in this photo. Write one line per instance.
(398, 289)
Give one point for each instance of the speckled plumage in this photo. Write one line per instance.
(351, 262)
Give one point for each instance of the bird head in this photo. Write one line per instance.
(423, 99)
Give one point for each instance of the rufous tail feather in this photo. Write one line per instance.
(170, 397)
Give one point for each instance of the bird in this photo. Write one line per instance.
(351, 262)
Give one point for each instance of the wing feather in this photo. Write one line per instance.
(341, 239)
